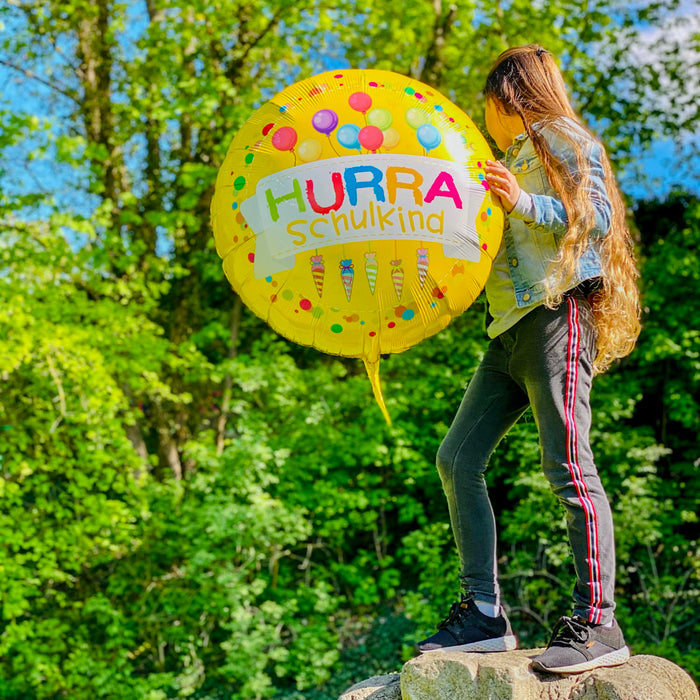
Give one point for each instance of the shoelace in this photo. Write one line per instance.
(456, 611)
(569, 630)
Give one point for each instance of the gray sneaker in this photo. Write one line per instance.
(466, 628)
(577, 645)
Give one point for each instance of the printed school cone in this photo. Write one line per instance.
(318, 271)
(397, 277)
(347, 274)
(372, 368)
(422, 264)
(371, 268)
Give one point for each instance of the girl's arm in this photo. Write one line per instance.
(543, 212)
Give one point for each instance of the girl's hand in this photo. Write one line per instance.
(503, 184)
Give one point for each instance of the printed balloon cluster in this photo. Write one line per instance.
(377, 133)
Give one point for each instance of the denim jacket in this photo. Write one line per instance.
(532, 234)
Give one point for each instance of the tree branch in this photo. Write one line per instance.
(237, 64)
(31, 74)
(61, 394)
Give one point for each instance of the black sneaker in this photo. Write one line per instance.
(466, 628)
(577, 645)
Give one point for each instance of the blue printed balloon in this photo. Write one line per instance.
(348, 136)
(428, 136)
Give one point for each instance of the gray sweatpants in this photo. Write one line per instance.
(544, 361)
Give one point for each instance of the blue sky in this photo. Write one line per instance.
(661, 164)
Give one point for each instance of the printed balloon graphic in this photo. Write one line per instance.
(352, 214)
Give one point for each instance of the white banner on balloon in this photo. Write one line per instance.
(363, 198)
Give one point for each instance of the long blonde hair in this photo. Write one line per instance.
(526, 81)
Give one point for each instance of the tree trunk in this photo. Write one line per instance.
(228, 379)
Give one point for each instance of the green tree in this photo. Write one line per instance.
(193, 506)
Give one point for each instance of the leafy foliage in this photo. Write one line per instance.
(192, 506)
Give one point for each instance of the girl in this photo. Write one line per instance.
(562, 305)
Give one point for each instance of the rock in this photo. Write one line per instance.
(377, 688)
(508, 676)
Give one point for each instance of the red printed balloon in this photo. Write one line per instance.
(360, 101)
(284, 139)
(371, 138)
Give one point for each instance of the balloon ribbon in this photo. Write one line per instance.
(373, 374)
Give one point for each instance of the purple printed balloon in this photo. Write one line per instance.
(325, 120)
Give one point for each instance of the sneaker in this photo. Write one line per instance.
(466, 628)
(577, 645)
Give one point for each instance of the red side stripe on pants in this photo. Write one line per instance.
(574, 467)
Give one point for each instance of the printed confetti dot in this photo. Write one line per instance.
(336, 328)
(268, 279)
(267, 128)
(437, 292)
(249, 158)
(409, 91)
(339, 75)
(234, 205)
(408, 314)
(372, 334)
(484, 216)
(251, 257)
(239, 182)
(288, 294)
(391, 324)
(484, 246)
(399, 311)
(373, 85)
(240, 219)
(478, 165)
(485, 184)
(418, 96)
(488, 211)
(305, 304)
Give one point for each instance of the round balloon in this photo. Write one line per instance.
(352, 213)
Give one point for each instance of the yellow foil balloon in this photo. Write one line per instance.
(356, 240)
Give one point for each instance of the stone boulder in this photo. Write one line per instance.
(508, 676)
(377, 688)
